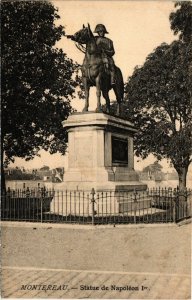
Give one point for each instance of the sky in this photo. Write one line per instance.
(136, 28)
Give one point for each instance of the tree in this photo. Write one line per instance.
(159, 99)
(37, 81)
(181, 20)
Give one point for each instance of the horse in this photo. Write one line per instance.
(95, 72)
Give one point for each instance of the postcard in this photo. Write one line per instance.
(96, 138)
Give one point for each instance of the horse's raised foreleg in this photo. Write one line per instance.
(87, 88)
(106, 97)
(98, 93)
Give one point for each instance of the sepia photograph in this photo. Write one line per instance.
(96, 149)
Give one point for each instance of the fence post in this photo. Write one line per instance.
(135, 206)
(41, 209)
(174, 210)
(27, 192)
(175, 204)
(93, 205)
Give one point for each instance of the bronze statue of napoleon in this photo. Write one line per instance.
(98, 68)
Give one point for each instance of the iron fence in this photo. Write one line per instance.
(96, 207)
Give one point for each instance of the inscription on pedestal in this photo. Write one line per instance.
(119, 150)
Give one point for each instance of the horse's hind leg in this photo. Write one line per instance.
(106, 97)
(119, 90)
(119, 99)
(98, 92)
(87, 88)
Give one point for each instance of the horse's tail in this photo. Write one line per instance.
(119, 86)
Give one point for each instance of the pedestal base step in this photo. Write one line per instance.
(105, 186)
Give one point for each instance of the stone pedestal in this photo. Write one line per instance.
(100, 150)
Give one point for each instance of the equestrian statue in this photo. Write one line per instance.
(98, 68)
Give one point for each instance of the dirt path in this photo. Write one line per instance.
(164, 249)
